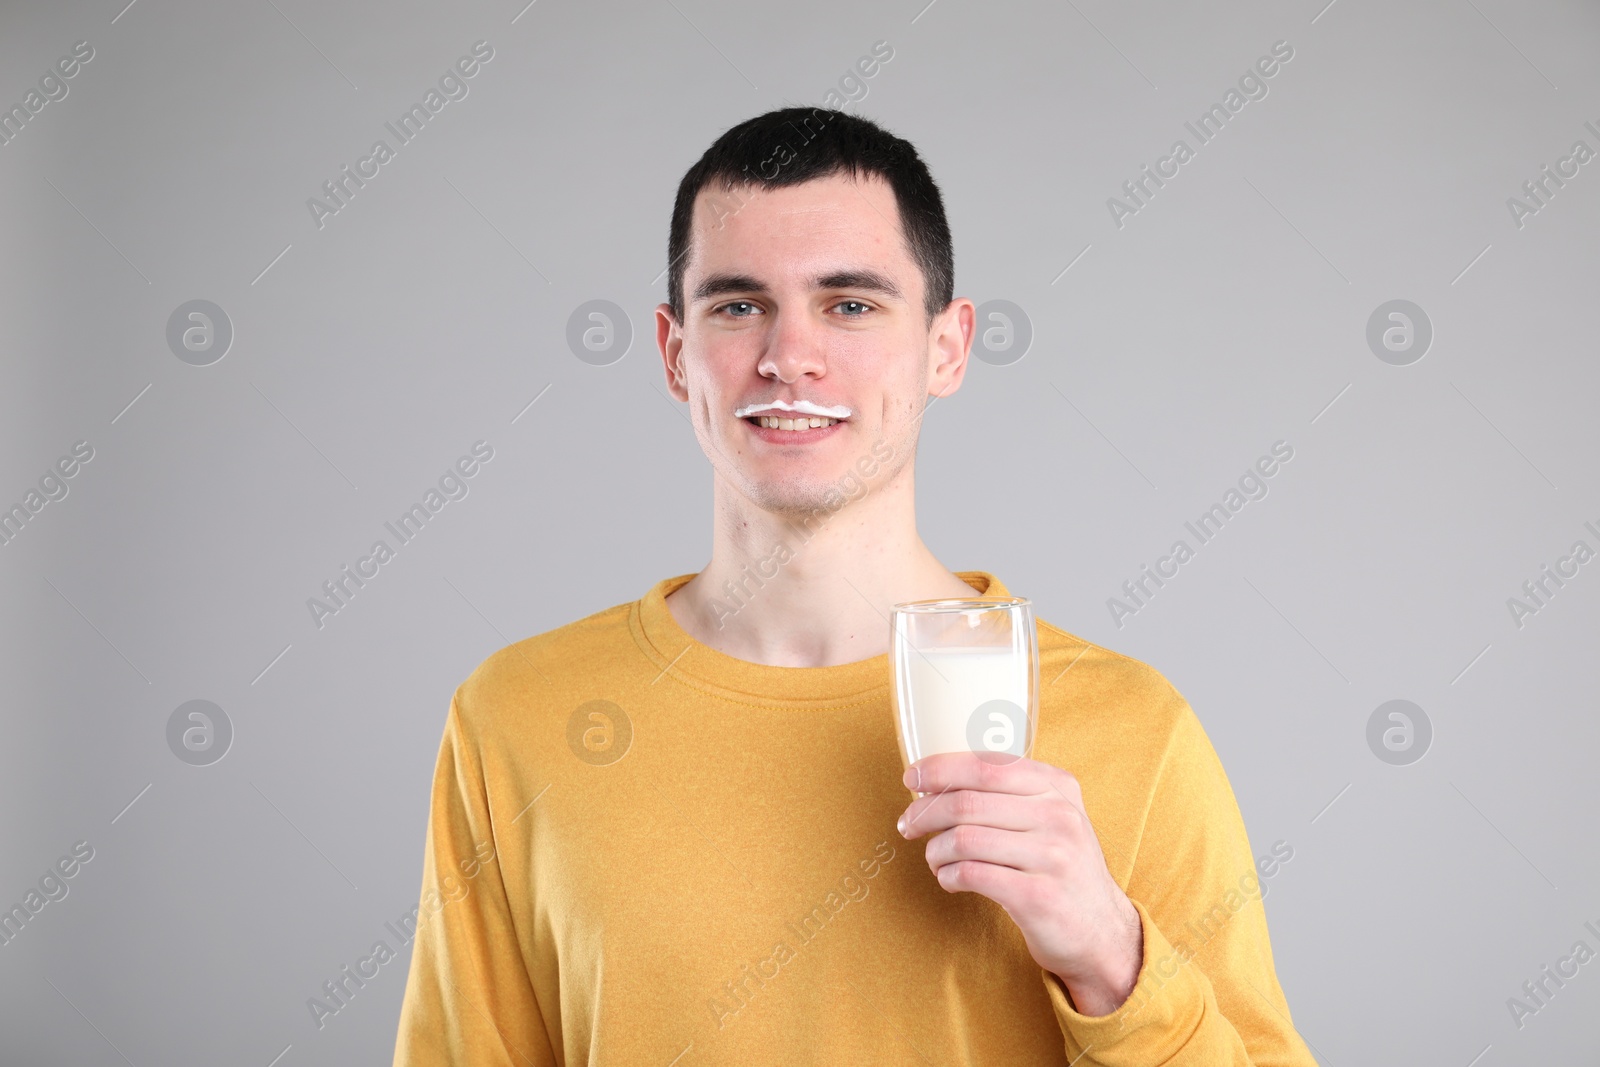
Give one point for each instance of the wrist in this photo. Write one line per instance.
(1105, 984)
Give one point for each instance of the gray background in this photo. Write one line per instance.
(1229, 313)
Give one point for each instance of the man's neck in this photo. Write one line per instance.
(821, 600)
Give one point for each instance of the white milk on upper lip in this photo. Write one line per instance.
(941, 689)
(804, 407)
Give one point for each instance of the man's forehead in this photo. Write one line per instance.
(859, 215)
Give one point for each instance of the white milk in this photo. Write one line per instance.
(942, 687)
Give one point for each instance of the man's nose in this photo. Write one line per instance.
(794, 349)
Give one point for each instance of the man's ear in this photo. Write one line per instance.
(669, 339)
(949, 345)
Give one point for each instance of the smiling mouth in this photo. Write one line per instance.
(777, 422)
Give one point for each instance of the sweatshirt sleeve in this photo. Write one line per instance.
(1206, 991)
(468, 998)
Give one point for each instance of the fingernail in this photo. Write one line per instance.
(901, 825)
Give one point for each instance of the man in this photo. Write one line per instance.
(676, 832)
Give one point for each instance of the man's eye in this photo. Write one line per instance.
(853, 304)
(738, 304)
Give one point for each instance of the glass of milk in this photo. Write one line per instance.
(965, 677)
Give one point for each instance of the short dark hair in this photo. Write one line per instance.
(799, 144)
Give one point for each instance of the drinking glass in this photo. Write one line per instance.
(965, 677)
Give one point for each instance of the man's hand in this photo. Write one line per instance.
(1017, 833)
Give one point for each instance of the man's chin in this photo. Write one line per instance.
(797, 501)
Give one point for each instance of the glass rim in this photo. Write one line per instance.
(918, 607)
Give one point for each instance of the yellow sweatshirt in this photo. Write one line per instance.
(644, 851)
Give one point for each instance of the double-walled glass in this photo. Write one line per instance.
(965, 677)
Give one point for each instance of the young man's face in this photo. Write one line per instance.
(807, 294)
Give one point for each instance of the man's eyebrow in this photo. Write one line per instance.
(869, 280)
(721, 284)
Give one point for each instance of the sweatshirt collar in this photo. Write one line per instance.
(685, 661)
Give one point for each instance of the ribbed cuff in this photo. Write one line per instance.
(1167, 1003)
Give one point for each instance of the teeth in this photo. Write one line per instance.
(773, 422)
